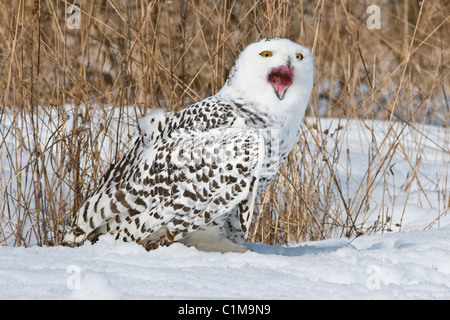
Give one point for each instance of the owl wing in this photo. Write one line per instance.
(197, 179)
(184, 181)
(116, 184)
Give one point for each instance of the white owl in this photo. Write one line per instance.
(193, 177)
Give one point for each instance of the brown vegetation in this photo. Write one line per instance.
(168, 54)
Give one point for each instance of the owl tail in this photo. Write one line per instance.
(74, 238)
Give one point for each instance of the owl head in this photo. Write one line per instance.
(272, 72)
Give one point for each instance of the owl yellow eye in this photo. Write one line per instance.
(266, 54)
(299, 56)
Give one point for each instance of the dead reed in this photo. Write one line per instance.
(65, 81)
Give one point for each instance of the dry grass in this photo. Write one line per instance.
(168, 54)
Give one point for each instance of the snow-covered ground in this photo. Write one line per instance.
(408, 265)
(391, 265)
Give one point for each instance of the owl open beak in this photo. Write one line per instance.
(281, 79)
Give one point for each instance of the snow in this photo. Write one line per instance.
(411, 264)
(422, 151)
(407, 265)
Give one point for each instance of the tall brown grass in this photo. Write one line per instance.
(168, 54)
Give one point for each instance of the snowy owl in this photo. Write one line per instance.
(193, 177)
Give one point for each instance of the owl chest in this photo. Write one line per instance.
(276, 150)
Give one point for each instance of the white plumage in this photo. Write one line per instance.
(193, 177)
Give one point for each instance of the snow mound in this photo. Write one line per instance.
(408, 265)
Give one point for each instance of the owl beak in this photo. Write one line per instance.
(281, 79)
